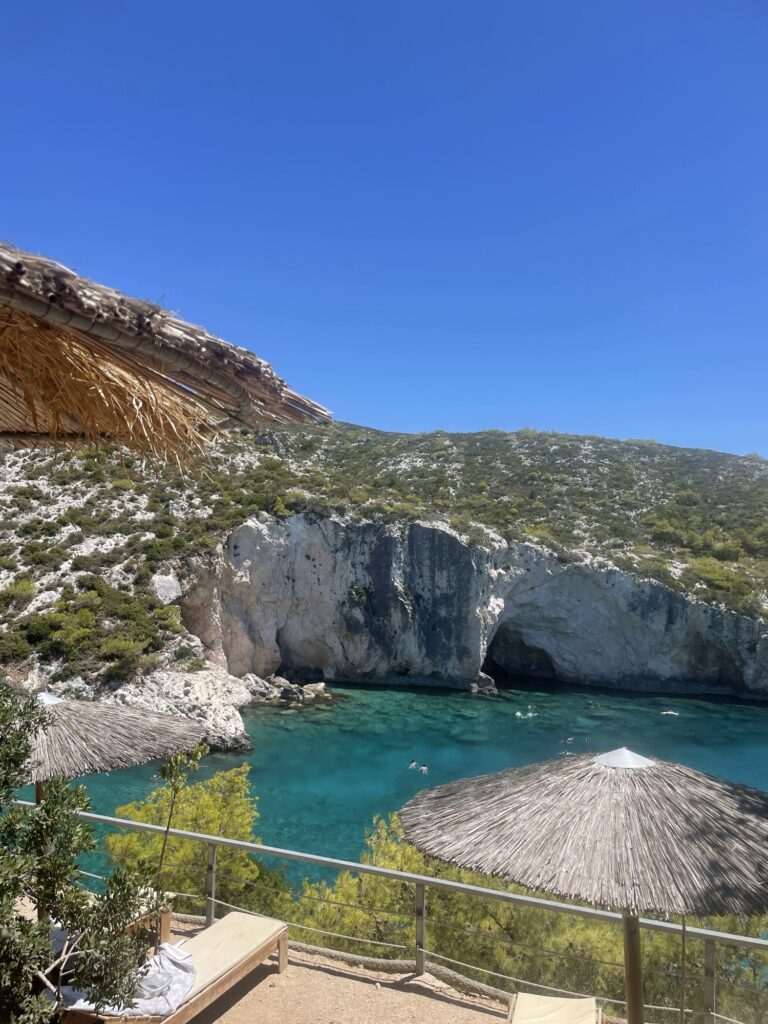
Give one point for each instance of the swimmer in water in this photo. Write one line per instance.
(423, 769)
(413, 765)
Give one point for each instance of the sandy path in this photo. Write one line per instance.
(315, 990)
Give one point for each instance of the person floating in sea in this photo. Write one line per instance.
(413, 765)
(423, 769)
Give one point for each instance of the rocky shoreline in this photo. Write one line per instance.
(211, 696)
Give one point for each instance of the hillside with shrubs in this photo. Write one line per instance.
(82, 532)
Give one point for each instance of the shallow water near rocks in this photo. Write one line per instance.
(321, 773)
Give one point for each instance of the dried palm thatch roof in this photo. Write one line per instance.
(84, 737)
(79, 360)
(646, 836)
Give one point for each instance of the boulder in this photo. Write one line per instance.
(210, 696)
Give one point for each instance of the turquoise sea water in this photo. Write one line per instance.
(321, 773)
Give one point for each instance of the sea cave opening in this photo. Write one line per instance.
(510, 655)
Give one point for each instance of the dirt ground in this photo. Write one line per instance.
(316, 990)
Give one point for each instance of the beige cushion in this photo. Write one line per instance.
(531, 1009)
(218, 949)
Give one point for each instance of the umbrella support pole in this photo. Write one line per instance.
(683, 972)
(633, 969)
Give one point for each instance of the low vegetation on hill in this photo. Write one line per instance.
(695, 520)
(82, 532)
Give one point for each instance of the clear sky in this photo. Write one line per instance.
(425, 214)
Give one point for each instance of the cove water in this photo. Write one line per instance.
(321, 773)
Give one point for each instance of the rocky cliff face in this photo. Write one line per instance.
(337, 599)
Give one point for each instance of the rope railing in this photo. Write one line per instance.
(729, 1020)
(527, 949)
(90, 874)
(388, 921)
(258, 886)
(432, 954)
(461, 981)
(318, 931)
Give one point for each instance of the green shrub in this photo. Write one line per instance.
(196, 664)
(115, 647)
(18, 594)
(38, 528)
(46, 556)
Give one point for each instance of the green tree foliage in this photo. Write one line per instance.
(553, 950)
(219, 806)
(39, 850)
(544, 948)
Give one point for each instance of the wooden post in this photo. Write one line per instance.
(421, 928)
(282, 953)
(710, 989)
(683, 970)
(210, 886)
(633, 969)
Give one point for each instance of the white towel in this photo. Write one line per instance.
(164, 983)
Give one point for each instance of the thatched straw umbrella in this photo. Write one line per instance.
(617, 830)
(79, 361)
(85, 737)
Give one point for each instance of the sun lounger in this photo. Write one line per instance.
(159, 922)
(223, 955)
(529, 1009)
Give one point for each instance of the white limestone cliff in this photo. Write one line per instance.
(360, 601)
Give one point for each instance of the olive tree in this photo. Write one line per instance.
(74, 938)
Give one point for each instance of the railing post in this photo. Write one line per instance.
(710, 988)
(421, 928)
(210, 886)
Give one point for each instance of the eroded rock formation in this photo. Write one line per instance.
(334, 599)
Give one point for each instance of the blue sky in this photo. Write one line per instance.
(424, 214)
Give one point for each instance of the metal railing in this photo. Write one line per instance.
(422, 883)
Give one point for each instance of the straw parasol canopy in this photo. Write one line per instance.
(80, 361)
(85, 737)
(617, 830)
